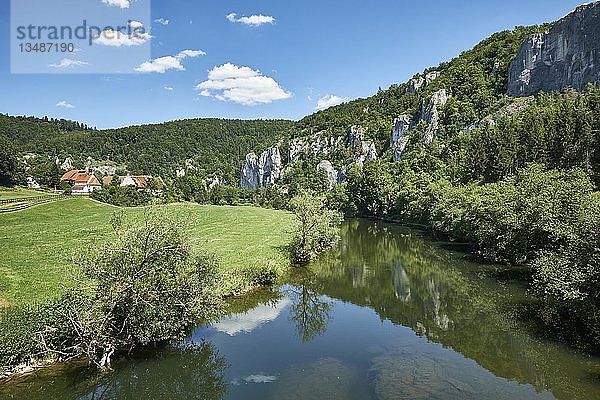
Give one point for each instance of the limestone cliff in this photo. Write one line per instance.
(431, 114)
(566, 55)
(263, 170)
(399, 140)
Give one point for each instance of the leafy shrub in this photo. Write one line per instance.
(127, 196)
(318, 227)
(148, 286)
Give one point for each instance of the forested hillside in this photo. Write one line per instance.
(476, 80)
(210, 146)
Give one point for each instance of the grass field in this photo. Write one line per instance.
(18, 192)
(37, 244)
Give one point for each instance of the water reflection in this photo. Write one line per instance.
(252, 319)
(189, 371)
(310, 312)
(440, 295)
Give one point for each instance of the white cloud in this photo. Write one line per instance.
(117, 3)
(64, 104)
(241, 85)
(168, 88)
(162, 21)
(330, 101)
(135, 24)
(253, 20)
(190, 53)
(109, 37)
(68, 63)
(236, 324)
(256, 378)
(163, 64)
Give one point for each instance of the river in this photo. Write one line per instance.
(387, 315)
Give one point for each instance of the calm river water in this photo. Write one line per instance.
(389, 315)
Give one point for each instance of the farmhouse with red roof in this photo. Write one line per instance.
(81, 181)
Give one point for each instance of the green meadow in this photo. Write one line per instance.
(37, 245)
(18, 192)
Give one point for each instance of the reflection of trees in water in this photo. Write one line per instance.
(393, 272)
(309, 312)
(416, 284)
(187, 372)
(191, 372)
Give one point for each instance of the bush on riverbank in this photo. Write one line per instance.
(548, 219)
(147, 286)
(318, 227)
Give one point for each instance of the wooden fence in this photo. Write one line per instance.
(29, 201)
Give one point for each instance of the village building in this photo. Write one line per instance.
(81, 181)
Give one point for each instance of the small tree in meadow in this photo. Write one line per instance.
(318, 227)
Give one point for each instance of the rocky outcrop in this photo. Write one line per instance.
(567, 55)
(415, 84)
(364, 150)
(189, 168)
(430, 114)
(67, 165)
(420, 81)
(399, 139)
(263, 170)
(211, 183)
(332, 173)
(260, 171)
(106, 170)
(319, 145)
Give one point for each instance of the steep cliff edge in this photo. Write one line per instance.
(566, 55)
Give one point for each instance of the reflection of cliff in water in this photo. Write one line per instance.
(438, 294)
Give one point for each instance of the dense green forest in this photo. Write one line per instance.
(212, 146)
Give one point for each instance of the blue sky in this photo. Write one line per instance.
(311, 50)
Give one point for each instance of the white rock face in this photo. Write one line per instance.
(421, 81)
(105, 170)
(189, 168)
(332, 173)
(364, 150)
(567, 55)
(399, 140)
(430, 114)
(431, 76)
(32, 183)
(319, 145)
(67, 165)
(415, 84)
(496, 68)
(210, 183)
(263, 170)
